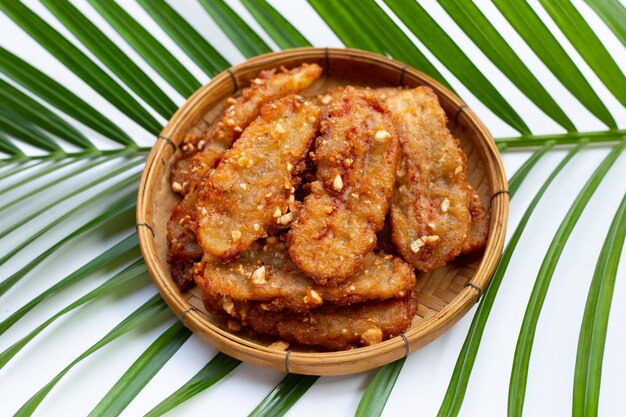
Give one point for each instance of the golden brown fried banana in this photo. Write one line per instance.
(332, 326)
(251, 193)
(183, 247)
(200, 154)
(356, 157)
(330, 96)
(191, 168)
(383, 93)
(479, 229)
(430, 215)
(265, 273)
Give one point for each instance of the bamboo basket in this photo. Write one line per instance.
(445, 295)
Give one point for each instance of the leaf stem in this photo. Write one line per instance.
(602, 136)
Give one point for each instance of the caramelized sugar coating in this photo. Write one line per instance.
(356, 157)
(265, 273)
(201, 154)
(332, 326)
(430, 216)
(251, 193)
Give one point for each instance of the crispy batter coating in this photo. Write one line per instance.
(251, 193)
(330, 96)
(183, 247)
(479, 230)
(332, 326)
(430, 217)
(356, 157)
(265, 273)
(192, 168)
(200, 154)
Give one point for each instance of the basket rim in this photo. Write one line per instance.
(303, 362)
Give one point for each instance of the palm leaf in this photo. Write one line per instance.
(614, 15)
(29, 109)
(443, 47)
(94, 162)
(14, 125)
(25, 163)
(55, 165)
(142, 371)
(486, 37)
(137, 269)
(111, 56)
(217, 368)
(79, 64)
(571, 138)
(375, 397)
(391, 39)
(106, 176)
(282, 32)
(116, 187)
(149, 48)
(60, 97)
(124, 207)
(127, 247)
(190, 41)
(278, 402)
(23, 117)
(526, 22)
(144, 313)
(519, 374)
(590, 48)
(247, 41)
(596, 319)
(7, 147)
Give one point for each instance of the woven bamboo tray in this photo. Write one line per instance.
(445, 295)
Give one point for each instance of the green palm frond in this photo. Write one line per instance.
(595, 320)
(149, 48)
(137, 269)
(284, 395)
(190, 41)
(588, 45)
(142, 371)
(112, 256)
(112, 56)
(247, 41)
(144, 313)
(391, 39)
(519, 374)
(40, 111)
(80, 64)
(58, 96)
(217, 368)
(543, 43)
(443, 47)
(282, 32)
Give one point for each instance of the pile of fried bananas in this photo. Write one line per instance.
(305, 217)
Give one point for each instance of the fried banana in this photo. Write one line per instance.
(356, 156)
(265, 273)
(332, 326)
(200, 154)
(251, 193)
(479, 229)
(183, 248)
(430, 216)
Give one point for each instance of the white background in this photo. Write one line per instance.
(422, 383)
